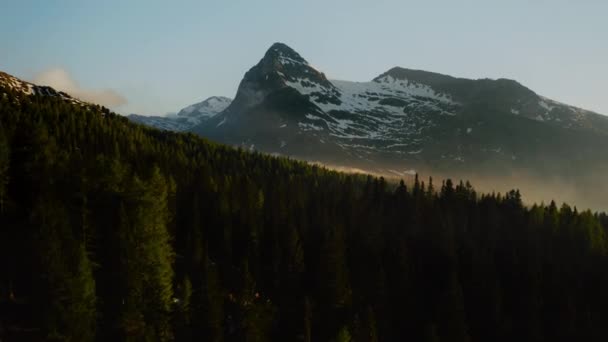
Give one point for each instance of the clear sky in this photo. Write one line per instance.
(153, 57)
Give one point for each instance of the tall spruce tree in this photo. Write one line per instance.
(68, 288)
(146, 260)
(4, 165)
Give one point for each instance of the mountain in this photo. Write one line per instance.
(186, 118)
(205, 109)
(405, 120)
(113, 231)
(405, 116)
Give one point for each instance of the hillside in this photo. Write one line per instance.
(114, 231)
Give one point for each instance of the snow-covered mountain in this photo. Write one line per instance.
(405, 120)
(205, 109)
(186, 118)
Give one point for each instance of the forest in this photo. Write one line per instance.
(113, 231)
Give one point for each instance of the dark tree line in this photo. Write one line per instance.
(113, 231)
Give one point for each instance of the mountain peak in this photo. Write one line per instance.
(283, 54)
(280, 67)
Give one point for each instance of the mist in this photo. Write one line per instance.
(60, 79)
(587, 192)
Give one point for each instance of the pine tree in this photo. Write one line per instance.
(146, 257)
(4, 165)
(334, 274)
(256, 311)
(68, 295)
(343, 335)
(211, 308)
(452, 318)
(183, 309)
(307, 320)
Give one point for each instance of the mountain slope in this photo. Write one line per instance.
(186, 118)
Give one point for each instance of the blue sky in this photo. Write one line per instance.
(160, 56)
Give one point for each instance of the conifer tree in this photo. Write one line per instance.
(334, 274)
(4, 165)
(307, 320)
(68, 296)
(147, 258)
(343, 335)
(211, 308)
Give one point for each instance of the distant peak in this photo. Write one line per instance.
(207, 108)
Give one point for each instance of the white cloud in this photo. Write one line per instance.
(60, 79)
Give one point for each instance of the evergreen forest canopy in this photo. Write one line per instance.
(113, 231)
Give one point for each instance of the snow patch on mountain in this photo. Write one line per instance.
(545, 105)
(288, 60)
(563, 114)
(383, 110)
(309, 127)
